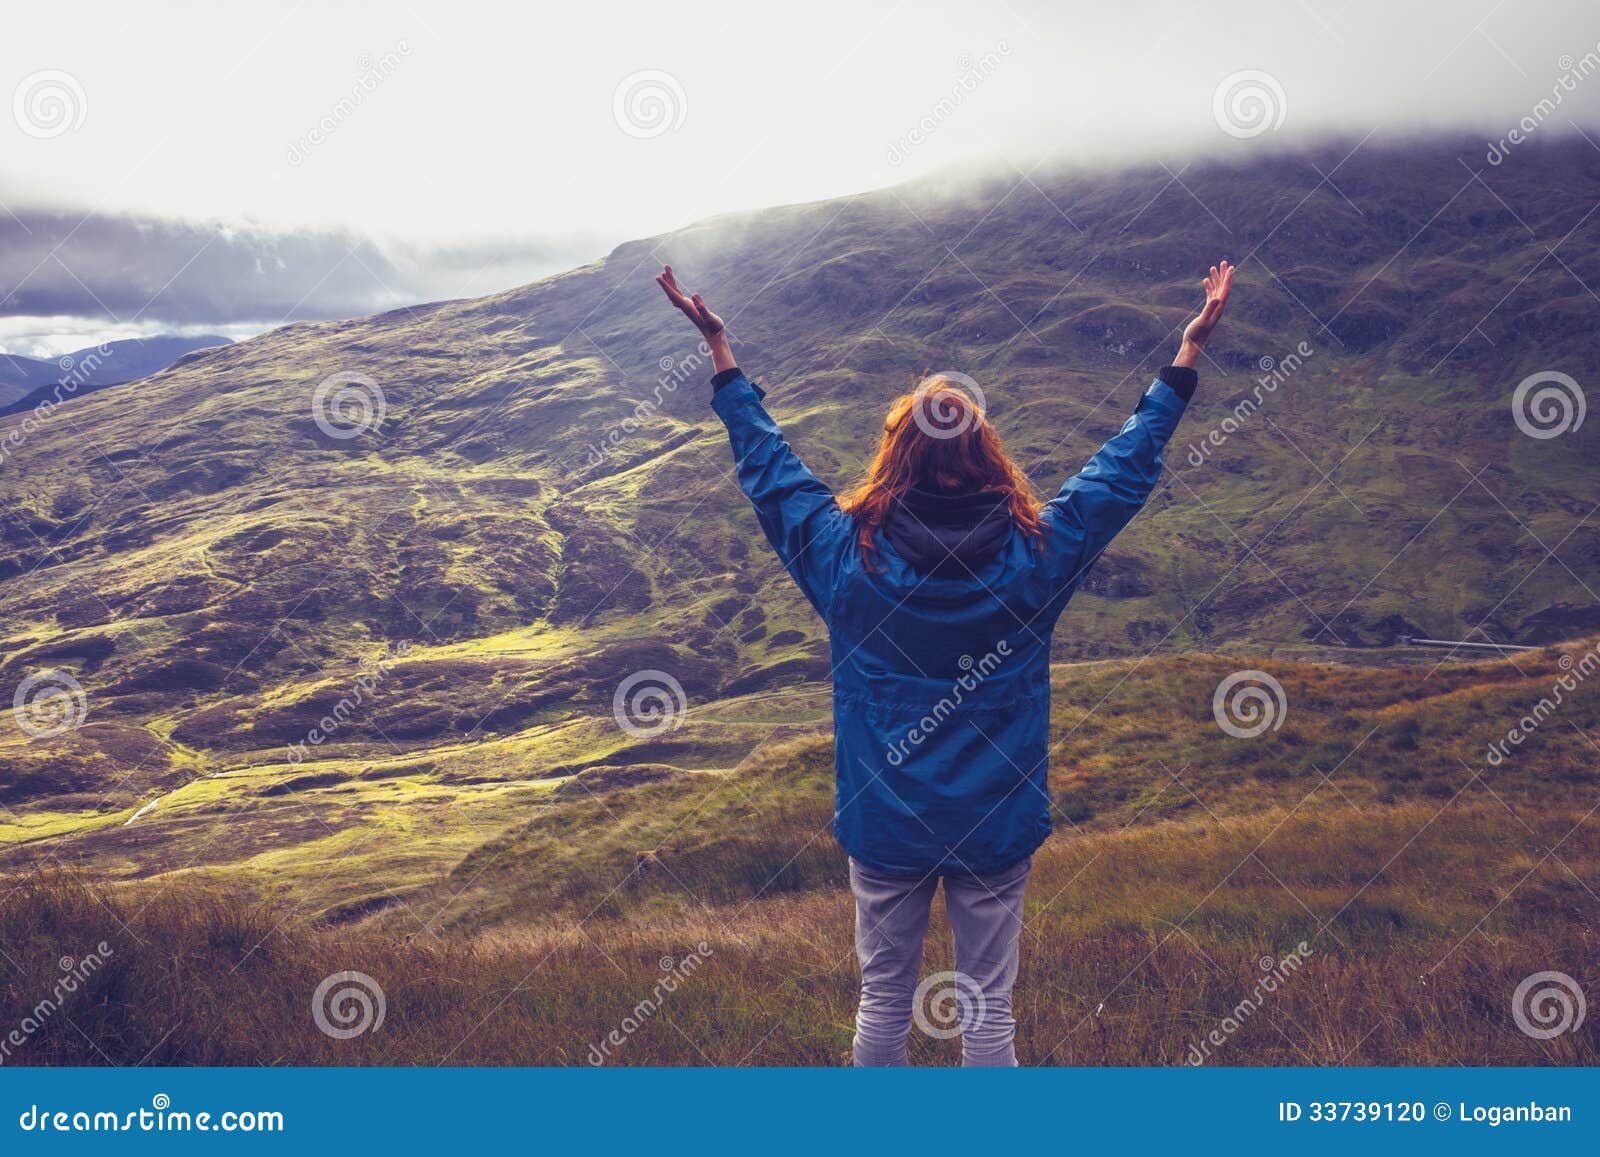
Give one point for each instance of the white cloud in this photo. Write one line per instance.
(498, 118)
(447, 125)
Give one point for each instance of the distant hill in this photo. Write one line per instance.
(25, 382)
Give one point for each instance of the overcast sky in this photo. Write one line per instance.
(200, 167)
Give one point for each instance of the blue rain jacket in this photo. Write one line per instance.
(941, 684)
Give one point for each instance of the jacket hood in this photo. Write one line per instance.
(948, 535)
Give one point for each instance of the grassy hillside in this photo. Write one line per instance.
(1424, 883)
(165, 541)
(231, 556)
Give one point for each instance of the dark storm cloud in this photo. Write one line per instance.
(128, 268)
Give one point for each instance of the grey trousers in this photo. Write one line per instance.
(974, 1001)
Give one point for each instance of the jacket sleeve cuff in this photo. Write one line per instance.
(728, 390)
(1181, 380)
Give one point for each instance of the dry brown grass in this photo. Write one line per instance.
(1138, 943)
(1426, 883)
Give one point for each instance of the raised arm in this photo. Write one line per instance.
(796, 511)
(1104, 496)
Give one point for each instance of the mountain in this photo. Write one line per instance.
(25, 382)
(355, 579)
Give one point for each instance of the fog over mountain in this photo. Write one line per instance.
(398, 168)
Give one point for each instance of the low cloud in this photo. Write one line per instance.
(64, 272)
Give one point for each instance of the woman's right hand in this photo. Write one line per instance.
(693, 307)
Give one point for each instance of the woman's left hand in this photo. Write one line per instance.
(1218, 284)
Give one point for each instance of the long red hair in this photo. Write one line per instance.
(938, 438)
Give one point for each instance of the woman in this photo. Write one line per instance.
(940, 580)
